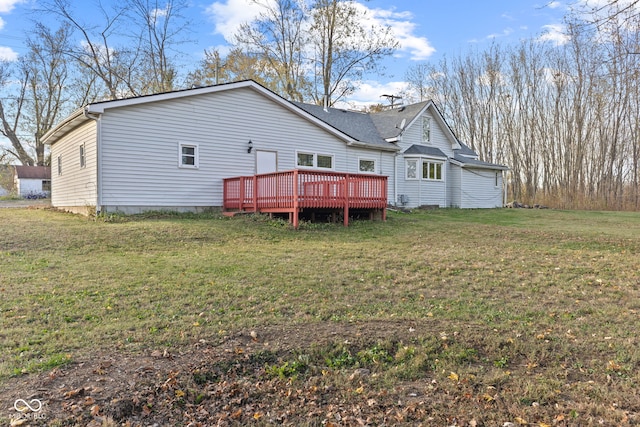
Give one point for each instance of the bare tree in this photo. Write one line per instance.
(39, 102)
(162, 26)
(345, 48)
(113, 66)
(237, 65)
(277, 37)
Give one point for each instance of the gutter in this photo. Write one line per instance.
(96, 118)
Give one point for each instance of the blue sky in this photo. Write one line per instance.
(426, 29)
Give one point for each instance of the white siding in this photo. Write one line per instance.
(479, 190)
(30, 186)
(140, 148)
(439, 139)
(454, 181)
(423, 192)
(76, 188)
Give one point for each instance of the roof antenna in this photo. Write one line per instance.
(392, 98)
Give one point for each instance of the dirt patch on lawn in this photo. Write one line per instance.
(223, 383)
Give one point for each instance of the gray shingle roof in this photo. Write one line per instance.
(465, 150)
(388, 122)
(357, 125)
(425, 151)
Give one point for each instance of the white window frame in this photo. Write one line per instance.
(367, 159)
(83, 156)
(315, 160)
(415, 168)
(426, 129)
(331, 156)
(196, 155)
(434, 163)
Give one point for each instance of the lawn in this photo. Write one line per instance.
(446, 317)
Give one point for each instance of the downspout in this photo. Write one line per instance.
(96, 118)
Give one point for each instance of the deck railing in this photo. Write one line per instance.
(294, 190)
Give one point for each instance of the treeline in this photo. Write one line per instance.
(565, 117)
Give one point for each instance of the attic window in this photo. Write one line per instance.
(426, 129)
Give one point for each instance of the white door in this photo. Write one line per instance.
(266, 161)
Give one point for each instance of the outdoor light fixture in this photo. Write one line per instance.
(250, 147)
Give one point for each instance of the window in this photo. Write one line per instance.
(60, 165)
(412, 169)
(83, 161)
(497, 179)
(366, 165)
(305, 159)
(325, 162)
(426, 129)
(313, 160)
(46, 185)
(188, 156)
(432, 171)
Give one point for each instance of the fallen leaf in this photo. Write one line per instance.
(95, 410)
(453, 376)
(521, 421)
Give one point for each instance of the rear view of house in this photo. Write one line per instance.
(174, 150)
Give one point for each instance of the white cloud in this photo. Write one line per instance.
(403, 28)
(228, 15)
(8, 54)
(554, 33)
(7, 6)
(554, 5)
(370, 92)
(1, 23)
(505, 33)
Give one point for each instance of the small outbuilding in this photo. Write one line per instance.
(32, 181)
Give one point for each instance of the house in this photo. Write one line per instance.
(32, 181)
(173, 150)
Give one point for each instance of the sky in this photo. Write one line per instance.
(427, 30)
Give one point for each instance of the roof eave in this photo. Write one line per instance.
(74, 120)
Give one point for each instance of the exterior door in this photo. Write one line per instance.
(266, 161)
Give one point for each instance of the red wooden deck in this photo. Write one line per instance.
(295, 190)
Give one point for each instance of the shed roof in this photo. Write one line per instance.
(425, 151)
(467, 162)
(33, 172)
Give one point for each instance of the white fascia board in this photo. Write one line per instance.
(72, 121)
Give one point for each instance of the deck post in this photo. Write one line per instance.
(296, 199)
(346, 200)
(241, 199)
(255, 193)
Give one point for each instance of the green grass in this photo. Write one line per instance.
(540, 295)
